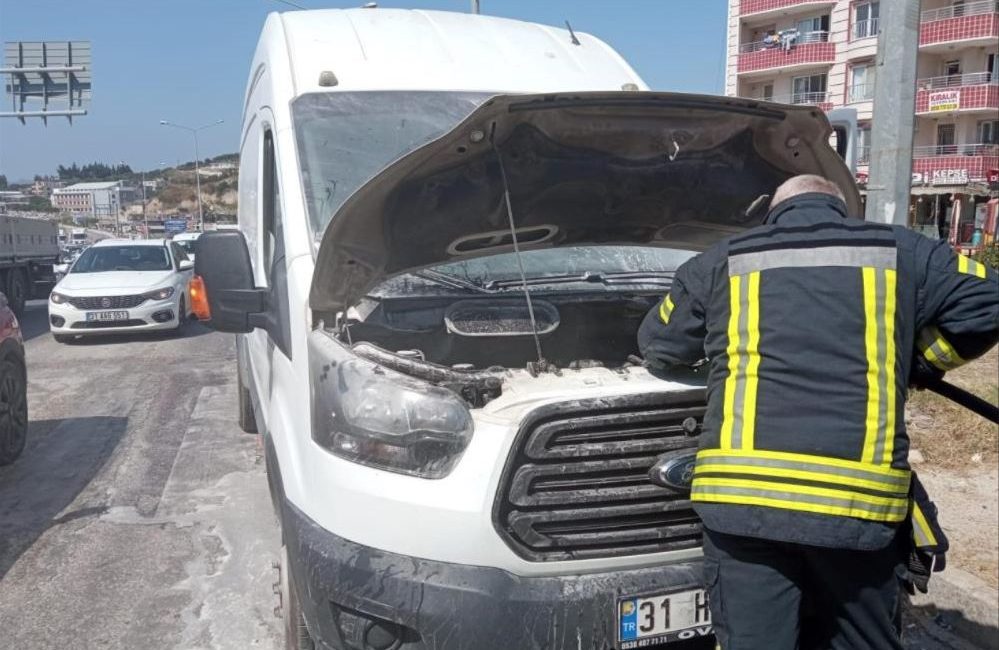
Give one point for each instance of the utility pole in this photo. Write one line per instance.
(475, 6)
(890, 182)
(197, 163)
(145, 221)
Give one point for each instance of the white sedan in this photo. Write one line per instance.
(122, 285)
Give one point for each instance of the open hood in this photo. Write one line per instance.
(625, 168)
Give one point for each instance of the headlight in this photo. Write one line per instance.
(377, 417)
(160, 294)
(58, 298)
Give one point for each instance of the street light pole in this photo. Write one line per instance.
(145, 221)
(197, 161)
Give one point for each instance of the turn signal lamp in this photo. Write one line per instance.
(199, 299)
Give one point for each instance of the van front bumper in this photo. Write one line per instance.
(358, 598)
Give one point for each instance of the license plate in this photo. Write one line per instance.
(103, 316)
(646, 621)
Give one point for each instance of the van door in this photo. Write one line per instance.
(271, 271)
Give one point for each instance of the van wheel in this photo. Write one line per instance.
(296, 634)
(13, 411)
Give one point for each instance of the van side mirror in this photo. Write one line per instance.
(222, 262)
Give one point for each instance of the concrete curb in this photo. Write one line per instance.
(964, 605)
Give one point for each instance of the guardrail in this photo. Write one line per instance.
(865, 29)
(972, 149)
(778, 42)
(796, 98)
(957, 80)
(958, 10)
(860, 93)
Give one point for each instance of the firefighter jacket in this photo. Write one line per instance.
(809, 324)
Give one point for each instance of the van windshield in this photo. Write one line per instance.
(346, 138)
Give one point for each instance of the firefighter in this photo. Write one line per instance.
(810, 324)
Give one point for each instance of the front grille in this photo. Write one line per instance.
(107, 302)
(107, 324)
(576, 484)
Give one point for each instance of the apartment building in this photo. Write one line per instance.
(102, 201)
(821, 52)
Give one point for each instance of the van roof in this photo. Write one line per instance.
(399, 49)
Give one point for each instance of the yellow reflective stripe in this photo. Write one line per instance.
(708, 468)
(666, 309)
(728, 410)
(921, 528)
(807, 458)
(835, 493)
(752, 370)
(857, 513)
(871, 345)
(970, 267)
(938, 350)
(889, 323)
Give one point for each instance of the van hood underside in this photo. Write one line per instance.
(650, 169)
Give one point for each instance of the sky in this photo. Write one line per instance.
(187, 61)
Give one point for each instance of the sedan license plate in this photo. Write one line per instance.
(647, 621)
(104, 316)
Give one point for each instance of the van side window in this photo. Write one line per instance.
(272, 223)
(272, 236)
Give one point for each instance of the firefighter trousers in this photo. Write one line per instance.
(768, 595)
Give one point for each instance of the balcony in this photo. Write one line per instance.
(865, 29)
(820, 99)
(955, 164)
(969, 24)
(977, 92)
(762, 10)
(802, 50)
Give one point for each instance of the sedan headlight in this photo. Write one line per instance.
(58, 298)
(377, 417)
(160, 294)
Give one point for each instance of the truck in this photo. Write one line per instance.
(29, 251)
(450, 229)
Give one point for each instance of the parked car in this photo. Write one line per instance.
(120, 285)
(458, 437)
(13, 386)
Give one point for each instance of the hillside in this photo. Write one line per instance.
(176, 190)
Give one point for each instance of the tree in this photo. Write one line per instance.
(3, 182)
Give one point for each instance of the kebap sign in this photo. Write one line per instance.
(945, 100)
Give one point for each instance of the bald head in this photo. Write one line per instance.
(805, 184)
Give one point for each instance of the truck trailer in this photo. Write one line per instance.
(29, 249)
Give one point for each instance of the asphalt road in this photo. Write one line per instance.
(138, 515)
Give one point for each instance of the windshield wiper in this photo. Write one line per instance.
(664, 278)
(450, 281)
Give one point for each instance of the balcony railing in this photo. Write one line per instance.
(864, 154)
(784, 41)
(958, 10)
(865, 29)
(957, 80)
(975, 149)
(815, 99)
(860, 93)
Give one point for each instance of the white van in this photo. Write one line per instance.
(451, 227)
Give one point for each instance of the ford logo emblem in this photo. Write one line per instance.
(675, 470)
(105, 302)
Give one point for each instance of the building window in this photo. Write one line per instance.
(813, 30)
(862, 83)
(945, 140)
(768, 92)
(865, 20)
(988, 132)
(808, 90)
(864, 144)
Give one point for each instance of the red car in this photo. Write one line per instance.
(13, 386)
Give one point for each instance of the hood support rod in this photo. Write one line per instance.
(516, 247)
